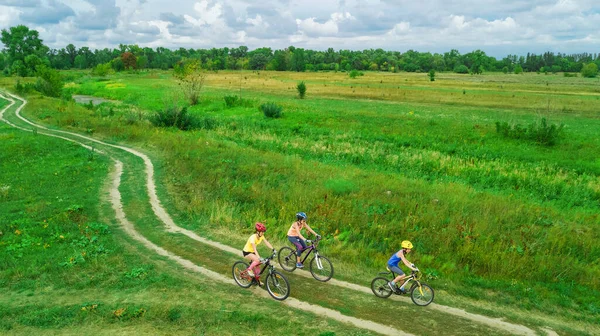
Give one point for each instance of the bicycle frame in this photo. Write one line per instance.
(310, 249)
(407, 280)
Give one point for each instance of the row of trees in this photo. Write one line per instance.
(24, 51)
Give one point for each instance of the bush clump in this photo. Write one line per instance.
(231, 100)
(542, 133)
(271, 110)
(174, 116)
(355, 73)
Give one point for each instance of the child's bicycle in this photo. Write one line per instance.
(277, 285)
(320, 267)
(420, 293)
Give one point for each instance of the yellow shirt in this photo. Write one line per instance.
(253, 239)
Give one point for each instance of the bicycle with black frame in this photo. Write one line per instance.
(277, 285)
(320, 267)
(420, 293)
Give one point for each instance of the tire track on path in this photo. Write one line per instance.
(128, 227)
(171, 226)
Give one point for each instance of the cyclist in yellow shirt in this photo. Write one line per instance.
(250, 251)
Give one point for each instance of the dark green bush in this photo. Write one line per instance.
(355, 73)
(301, 88)
(271, 110)
(542, 133)
(461, 69)
(174, 116)
(231, 100)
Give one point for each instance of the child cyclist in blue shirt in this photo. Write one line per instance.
(394, 262)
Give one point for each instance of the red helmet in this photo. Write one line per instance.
(260, 227)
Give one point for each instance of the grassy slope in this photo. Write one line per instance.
(65, 266)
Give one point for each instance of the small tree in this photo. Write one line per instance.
(589, 70)
(129, 60)
(301, 88)
(518, 69)
(191, 79)
(432, 75)
(49, 81)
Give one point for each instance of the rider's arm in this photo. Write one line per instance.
(268, 244)
(405, 261)
(311, 230)
(255, 249)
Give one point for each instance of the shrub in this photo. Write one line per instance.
(271, 110)
(461, 69)
(49, 81)
(301, 88)
(355, 73)
(568, 74)
(431, 75)
(589, 70)
(518, 69)
(174, 116)
(505, 70)
(231, 100)
(541, 133)
(102, 70)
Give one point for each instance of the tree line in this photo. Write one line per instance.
(24, 52)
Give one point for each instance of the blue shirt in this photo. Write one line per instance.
(394, 260)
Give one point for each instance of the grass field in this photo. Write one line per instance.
(379, 159)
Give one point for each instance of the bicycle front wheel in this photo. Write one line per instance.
(240, 274)
(287, 258)
(321, 268)
(278, 286)
(380, 287)
(421, 294)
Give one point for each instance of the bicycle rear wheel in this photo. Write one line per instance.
(278, 286)
(287, 258)
(380, 287)
(321, 268)
(421, 294)
(240, 274)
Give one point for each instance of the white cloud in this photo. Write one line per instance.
(9, 16)
(208, 14)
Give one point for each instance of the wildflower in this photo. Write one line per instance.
(62, 237)
(18, 232)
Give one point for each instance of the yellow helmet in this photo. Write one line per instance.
(407, 245)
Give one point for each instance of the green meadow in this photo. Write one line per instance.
(374, 160)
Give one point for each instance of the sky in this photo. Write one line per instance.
(498, 27)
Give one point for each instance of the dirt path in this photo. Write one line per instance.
(170, 225)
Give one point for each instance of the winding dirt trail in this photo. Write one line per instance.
(171, 226)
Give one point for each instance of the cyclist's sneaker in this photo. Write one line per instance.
(299, 265)
(402, 291)
(250, 273)
(260, 284)
(393, 287)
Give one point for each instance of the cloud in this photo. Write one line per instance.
(310, 27)
(50, 12)
(20, 3)
(9, 16)
(104, 15)
(172, 18)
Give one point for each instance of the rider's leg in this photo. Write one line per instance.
(398, 278)
(254, 264)
(300, 246)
